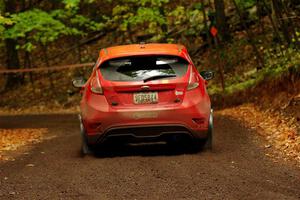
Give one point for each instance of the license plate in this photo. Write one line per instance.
(145, 98)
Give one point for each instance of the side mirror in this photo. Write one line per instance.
(207, 75)
(78, 82)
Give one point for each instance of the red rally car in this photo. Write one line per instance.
(145, 92)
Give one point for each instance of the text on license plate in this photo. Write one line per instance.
(145, 98)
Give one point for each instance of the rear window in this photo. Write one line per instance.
(143, 68)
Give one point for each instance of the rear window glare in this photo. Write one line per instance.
(142, 68)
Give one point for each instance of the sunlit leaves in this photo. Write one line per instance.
(145, 3)
(120, 9)
(191, 19)
(82, 21)
(246, 3)
(150, 15)
(71, 4)
(4, 22)
(158, 3)
(178, 16)
(37, 26)
(144, 16)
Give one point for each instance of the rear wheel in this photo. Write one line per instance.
(199, 144)
(85, 147)
(209, 140)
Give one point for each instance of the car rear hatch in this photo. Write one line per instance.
(144, 81)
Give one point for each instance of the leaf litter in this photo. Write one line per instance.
(280, 131)
(13, 139)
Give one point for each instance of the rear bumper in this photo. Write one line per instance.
(149, 133)
(189, 118)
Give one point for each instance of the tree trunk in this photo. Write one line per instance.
(275, 27)
(260, 60)
(12, 57)
(277, 10)
(291, 24)
(221, 20)
(206, 25)
(259, 6)
(46, 59)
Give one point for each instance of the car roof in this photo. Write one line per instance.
(143, 49)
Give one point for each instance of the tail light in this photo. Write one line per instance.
(193, 80)
(95, 85)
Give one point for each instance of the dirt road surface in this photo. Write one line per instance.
(237, 168)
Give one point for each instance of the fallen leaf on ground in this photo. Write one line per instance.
(12, 139)
(279, 131)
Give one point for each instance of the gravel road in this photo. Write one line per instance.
(237, 168)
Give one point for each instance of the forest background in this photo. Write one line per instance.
(255, 51)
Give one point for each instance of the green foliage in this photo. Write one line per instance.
(157, 21)
(4, 22)
(240, 86)
(147, 3)
(190, 20)
(294, 39)
(81, 21)
(246, 3)
(126, 18)
(155, 17)
(37, 26)
(145, 15)
(71, 4)
(279, 61)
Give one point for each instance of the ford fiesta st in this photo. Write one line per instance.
(145, 93)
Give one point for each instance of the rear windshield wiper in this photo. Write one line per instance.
(159, 77)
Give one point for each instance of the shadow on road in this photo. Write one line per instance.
(66, 129)
(145, 149)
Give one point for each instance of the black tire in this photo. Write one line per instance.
(85, 147)
(209, 140)
(207, 143)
